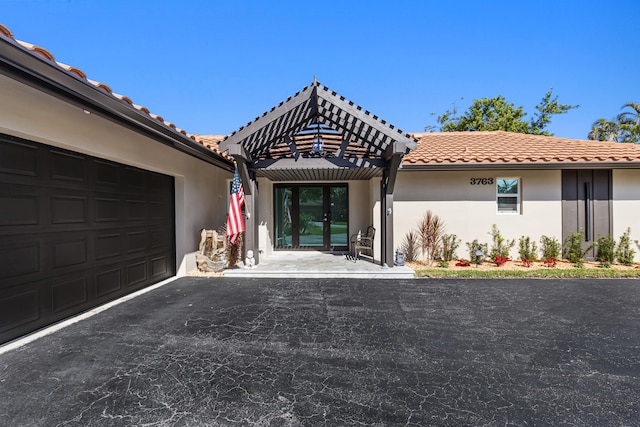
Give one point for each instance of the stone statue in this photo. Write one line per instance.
(250, 261)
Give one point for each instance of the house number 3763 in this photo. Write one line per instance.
(480, 181)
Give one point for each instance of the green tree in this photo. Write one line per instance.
(630, 123)
(547, 108)
(604, 130)
(490, 114)
(625, 127)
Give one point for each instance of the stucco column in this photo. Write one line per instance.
(386, 223)
(251, 220)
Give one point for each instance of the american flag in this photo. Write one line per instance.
(235, 220)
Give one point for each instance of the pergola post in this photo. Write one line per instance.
(251, 218)
(386, 223)
(393, 157)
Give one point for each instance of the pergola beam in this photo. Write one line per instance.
(393, 155)
(292, 146)
(260, 123)
(318, 162)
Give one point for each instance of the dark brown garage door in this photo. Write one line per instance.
(75, 232)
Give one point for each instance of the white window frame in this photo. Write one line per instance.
(517, 195)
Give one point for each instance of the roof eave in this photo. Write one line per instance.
(20, 64)
(518, 165)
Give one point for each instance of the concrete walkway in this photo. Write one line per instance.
(315, 265)
(339, 352)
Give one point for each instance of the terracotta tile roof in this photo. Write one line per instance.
(499, 147)
(44, 53)
(211, 142)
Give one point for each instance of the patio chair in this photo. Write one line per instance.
(362, 244)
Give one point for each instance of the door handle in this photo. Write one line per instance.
(587, 211)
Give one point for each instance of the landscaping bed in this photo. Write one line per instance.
(562, 269)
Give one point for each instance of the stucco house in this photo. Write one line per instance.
(99, 197)
(556, 186)
(527, 185)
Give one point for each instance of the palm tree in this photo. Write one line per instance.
(604, 130)
(630, 123)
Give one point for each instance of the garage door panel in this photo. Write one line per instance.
(19, 209)
(136, 210)
(160, 238)
(68, 209)
(19, 309)
(19, 259)
(137, 241)
(69, 293)
(135, 178)
(68, 252)
(157, 185)
(75, 232)
(108, 281)
(107, 209)
(159, 266)
(68, 167)
(18, 158)
(136, 272)
(108, 245)
(107, 174)
(160, 210)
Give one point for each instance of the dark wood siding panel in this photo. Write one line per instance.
(602, 205)
(586, 205)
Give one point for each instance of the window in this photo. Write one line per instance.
(508, 195)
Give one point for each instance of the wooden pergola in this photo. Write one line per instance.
(283, 145)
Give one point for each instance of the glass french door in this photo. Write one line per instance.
(311, 216)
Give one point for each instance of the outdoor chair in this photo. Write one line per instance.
(362, 244)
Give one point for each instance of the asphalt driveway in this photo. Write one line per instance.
(312, 352)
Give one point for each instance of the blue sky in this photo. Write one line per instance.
(211, 66)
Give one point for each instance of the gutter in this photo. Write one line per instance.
(20, 64)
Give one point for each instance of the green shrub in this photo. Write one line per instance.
(606, 249)
(573, 248)
(473, 248)
(500, 246)
(624, 253)
(527, 249)
(550, 247)
(450, 243)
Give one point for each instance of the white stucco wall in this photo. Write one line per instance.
(200, 188)
(376, 206)
(469, 211)
(626, 204)
(360, 202)
(265, 217)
